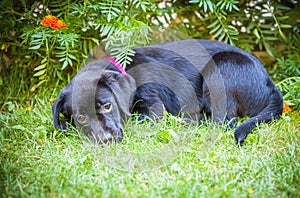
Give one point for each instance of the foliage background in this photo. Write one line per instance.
(33, 55)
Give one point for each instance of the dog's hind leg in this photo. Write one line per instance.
(271, 112)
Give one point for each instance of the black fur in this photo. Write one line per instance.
(192, 77)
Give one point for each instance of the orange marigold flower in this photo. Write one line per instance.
(286, 108)
(61, 24)
(49, 21)
(53, 22)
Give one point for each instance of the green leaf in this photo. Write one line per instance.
(271, 38)
(269, 32)
(41, 82)
(210, 6)
(266, 26)
(216, 28)
(250, 26)
(218, 32)
(95, 40)
(255, 32)
(213, 24)
(282, 35)
(35, 47)
(60, 55)
(205, 6)
(282, 18)
(43, 66)
(222, 36)
(72, 56)
(221, 3)
(70, 62)
(285, 26)
(61, 52)
(44, 60)
(65, 64)
(85, 46)
(39, 73)
(268, 49)
(235, 7)
(62, 59)
(281, 7)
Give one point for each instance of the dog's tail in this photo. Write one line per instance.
(272, 111)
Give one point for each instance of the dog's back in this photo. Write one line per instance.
(227, 81)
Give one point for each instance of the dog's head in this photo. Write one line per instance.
(96, 101)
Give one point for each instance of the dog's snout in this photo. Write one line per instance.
(107, 138)
(119, 135)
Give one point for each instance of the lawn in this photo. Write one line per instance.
(166, 158)
(44, 43)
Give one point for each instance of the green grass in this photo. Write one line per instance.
(167, 158)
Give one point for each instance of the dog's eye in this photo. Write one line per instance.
(81, 119)
(107, 107)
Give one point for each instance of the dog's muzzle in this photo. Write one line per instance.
(103, 136)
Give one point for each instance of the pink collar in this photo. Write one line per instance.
(117, 64)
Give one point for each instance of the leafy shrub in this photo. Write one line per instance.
(52, 50)
(290, 65)
(290, 89)
(250, 25)
(49, 53)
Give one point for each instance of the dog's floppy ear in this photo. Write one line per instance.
(58, 107)
(122, 87)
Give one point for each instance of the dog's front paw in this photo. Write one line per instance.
(240, 135)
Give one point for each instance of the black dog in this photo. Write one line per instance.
(189, 77)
